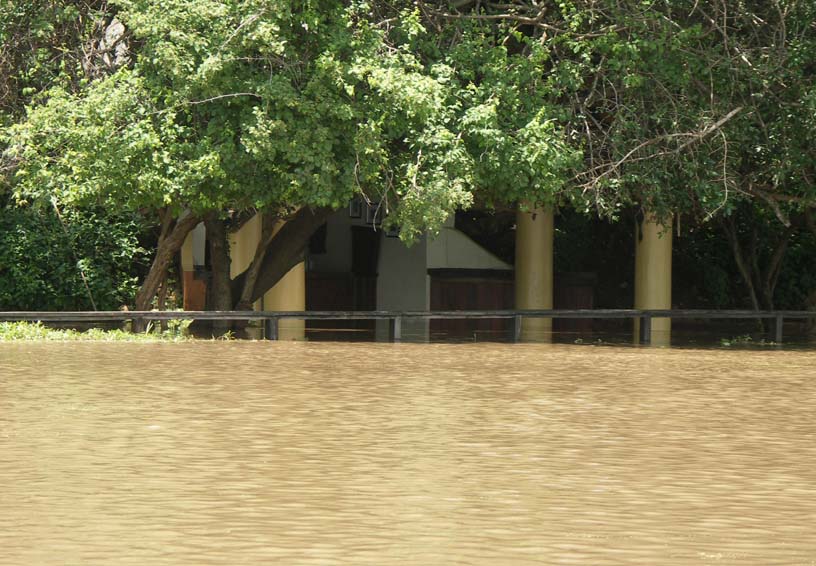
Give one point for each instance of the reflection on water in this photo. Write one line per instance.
(284, 453)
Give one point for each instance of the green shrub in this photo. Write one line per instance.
(43, 259)
(37, 331)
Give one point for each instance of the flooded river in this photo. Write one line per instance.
(409, 454)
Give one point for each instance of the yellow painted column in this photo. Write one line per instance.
(289, 294)
(534, 270)
(187, 253)
(243, 243)
(653, 274)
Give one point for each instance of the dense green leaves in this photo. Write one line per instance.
(43, 43)
(43, 260)
(236, 105)
(426, 107)
(277, 105)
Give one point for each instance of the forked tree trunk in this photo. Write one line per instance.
(760, 280)
(284, 251)
(730, 229)
(251, 274)
(169, 245)
(274, 258)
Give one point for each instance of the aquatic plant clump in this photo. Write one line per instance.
(37, 331)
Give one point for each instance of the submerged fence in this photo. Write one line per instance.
(272, 318)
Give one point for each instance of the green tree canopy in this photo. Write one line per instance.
(215, 108)
(250, 105)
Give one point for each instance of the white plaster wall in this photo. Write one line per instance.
(194, 248)
(403, 284)
(199, 241)
(453, 249)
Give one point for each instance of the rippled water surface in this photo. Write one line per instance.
(286, 453)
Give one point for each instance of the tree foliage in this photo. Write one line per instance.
(237, 105)
(43, 43)
(676, 106)
(219, 108)
(77, 260)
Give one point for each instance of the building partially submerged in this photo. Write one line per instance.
(353, 264)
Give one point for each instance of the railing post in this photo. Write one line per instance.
(517, 328)
(646, 329)
(271, 330)
(780, 321)
(396, 328)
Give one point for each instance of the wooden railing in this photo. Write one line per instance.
(272, 318)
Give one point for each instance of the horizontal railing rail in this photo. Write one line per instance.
(271, 318)
(71, 316)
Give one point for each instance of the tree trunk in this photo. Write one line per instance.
(810, 304)
(730, 229)
(268, 222)
(220, 292)
(284, 251)
(169, 245)
(774, 268)
(759, 279)
(161, 301)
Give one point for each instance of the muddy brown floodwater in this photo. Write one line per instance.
(409, 454)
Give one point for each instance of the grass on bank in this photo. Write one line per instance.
(37, 331)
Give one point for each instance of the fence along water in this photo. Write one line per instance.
(271, 318)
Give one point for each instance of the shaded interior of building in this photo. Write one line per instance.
(475, 262)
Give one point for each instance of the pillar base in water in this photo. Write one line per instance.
(289, 294)
(537, 330)
(653, 275)
(292, 329)
(534, 271)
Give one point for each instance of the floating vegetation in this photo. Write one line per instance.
(176, 331)
(746, 340)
